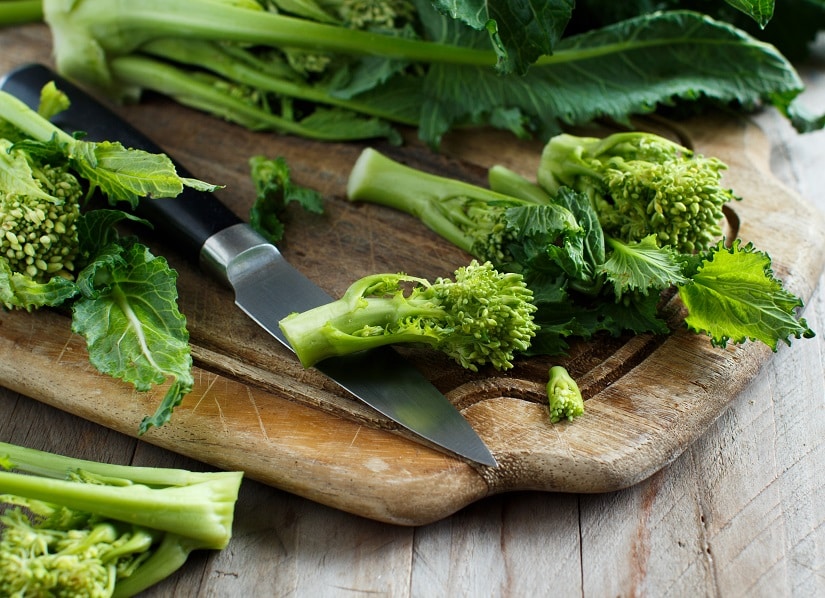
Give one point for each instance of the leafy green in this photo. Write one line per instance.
(21, 291)
(431, 68)
(735, 297)
(760, 11)
(642, 266)
(274, 191)
(520, 30)
(129, 317)
(123, 299)
(585, 280)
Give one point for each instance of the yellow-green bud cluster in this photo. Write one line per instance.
(564, 397)
(489, 315)
(367, 14)
(38, 237)
(679, 200)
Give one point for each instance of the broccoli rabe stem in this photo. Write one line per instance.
(438, 202)
(357, 322)
(19, 115)
(236, 64)
(126, 25)
(195, 505)
(15, 12)
(169, 556)
(484, 316)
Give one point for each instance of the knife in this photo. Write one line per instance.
(266, 287)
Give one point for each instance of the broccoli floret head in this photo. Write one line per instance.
(565, 400)
(62, 556)
(372, 14)
(642, 184)
(39, 208)
(481, 317)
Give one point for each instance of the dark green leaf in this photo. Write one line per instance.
(274, 191)
(760, 11)
(629, 68)
(520, 30)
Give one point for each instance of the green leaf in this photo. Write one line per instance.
(520, 30)
(96, 229)
(628, 68)
(274, 191)
(20, 291)
(16, 176)
(129, 317)
(735, 297)
(126, 174)
(642, 267)
(760, 11)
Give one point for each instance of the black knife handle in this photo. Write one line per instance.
(188, 220)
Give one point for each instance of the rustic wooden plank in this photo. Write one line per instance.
(666, 539)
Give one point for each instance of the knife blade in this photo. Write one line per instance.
(267, 288)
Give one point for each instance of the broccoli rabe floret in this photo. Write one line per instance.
(39, 208)
(641, 184)
(372, 14)
(473, 218)
(79, 528)
(481, 317)
(565, 400)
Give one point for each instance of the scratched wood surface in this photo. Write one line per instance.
(736, 514)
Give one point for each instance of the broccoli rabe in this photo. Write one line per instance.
(641, 184)
(596, 266)
(564, 398)
(79, 528)
(481, 317)
(475, 219)
(55, 251)
(39, 208)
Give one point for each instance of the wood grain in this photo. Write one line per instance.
(255, 409)
(738, 514)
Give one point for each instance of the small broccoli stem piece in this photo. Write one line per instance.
(468, 216)
(507, 182)
(482, 317)
(564, 397)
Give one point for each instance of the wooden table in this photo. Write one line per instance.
(739, 513)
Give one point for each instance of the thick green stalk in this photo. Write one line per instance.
(438, 202)
(19, 12)
(339, 328)
(242, 70)
(165, 79)
(27, 120)
(122, 26)
(202, 511)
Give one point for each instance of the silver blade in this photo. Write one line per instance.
(267, 288)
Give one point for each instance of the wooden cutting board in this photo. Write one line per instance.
(255, 409)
